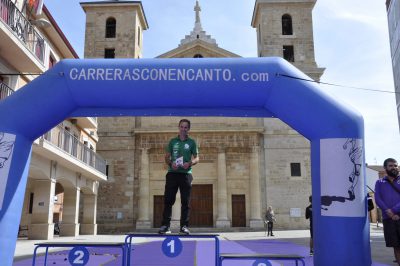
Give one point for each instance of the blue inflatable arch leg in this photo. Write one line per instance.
(337, 240)
(14, 170)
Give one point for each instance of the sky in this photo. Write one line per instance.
(351, 41)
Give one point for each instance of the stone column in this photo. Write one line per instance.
(89, 226)
(222, 196)
(69, 225)
(42, 226)
(143, 221)
(176, 212)
(255, 200)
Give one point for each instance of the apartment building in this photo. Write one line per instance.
(393, 11)
(65, 169)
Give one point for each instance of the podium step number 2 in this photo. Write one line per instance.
(78, 256)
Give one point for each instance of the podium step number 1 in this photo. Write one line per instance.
(172, 246)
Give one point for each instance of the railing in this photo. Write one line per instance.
(5, 91)
(94, 119)
(64, 140)
(22, 28)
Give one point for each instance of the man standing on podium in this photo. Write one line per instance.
(181, 155)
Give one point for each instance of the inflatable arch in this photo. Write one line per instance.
(230, 87)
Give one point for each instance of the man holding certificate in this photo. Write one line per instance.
(181, 154)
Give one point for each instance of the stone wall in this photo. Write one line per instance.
(283, 146)
(115, 200)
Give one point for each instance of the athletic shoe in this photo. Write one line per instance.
(184, 230)
(164, 230)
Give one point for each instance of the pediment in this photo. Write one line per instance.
(197, 47)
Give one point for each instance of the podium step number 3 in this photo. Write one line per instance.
(262, 262)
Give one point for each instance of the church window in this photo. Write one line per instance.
(111, 25)
(295, 169)
(288, 53)
(198, 56)
(287, 28)
(109, 53)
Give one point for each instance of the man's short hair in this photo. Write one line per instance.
(389, 160)
(184, 120)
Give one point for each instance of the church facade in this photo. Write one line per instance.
(246, 164)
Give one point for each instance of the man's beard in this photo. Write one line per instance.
(393, 173)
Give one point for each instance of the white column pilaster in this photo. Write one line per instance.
(42, 226)
(255, 200)
(72, 195)
(176, 212)
(89, 225)
(143, 221)
(222, 196)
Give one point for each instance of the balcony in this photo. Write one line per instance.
(85, 122)
(20, 43)
(5, 91)
(60, 145)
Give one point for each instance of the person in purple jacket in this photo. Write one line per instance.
(387, 197)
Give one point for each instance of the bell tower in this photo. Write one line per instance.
(114, 29)
(284, 29)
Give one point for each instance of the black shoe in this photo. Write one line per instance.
(272, 235)
(311, 252)
(184, 230)
(164, 230)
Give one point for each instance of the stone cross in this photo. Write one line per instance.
(197, 9)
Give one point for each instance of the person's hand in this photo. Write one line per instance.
(395, 217)
(186, 165)
(389, 213)
(174, 166)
